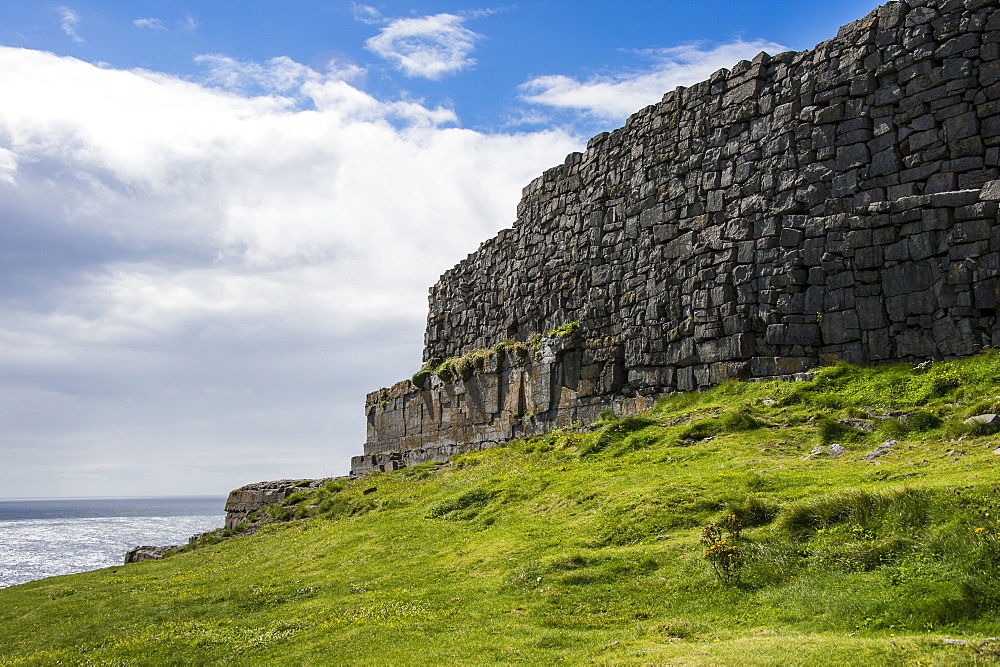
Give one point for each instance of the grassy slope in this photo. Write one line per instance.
(587, 547)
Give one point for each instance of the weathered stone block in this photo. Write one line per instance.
(852, 156)
(991, 191)
(840, 327)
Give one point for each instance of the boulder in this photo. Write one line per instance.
(139, 554)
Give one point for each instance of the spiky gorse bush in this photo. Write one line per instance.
(723, 553)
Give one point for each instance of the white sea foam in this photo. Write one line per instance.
(37, 548)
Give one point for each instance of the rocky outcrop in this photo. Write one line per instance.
(139, 554)
(252, 497)
(506, 396)
(239, 504)
(836, 203)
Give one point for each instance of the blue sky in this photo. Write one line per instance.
(496, 49)
(219, 220)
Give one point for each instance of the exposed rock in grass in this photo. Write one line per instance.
(986, 420)
(881, 450)
(139, 554)
(860, 424)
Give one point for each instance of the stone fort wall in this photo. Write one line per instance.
(839, 203)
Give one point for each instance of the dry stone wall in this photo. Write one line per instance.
(833, 203)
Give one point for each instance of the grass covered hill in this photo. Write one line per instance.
(850, 519)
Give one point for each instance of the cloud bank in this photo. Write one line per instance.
(617, 95)
(200, 281)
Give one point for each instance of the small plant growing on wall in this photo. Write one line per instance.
(566, 330)
(511, 347)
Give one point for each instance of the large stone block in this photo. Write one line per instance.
(840, 327)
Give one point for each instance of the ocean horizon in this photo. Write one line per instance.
(46, 537)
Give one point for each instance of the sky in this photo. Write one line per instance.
(219, 220)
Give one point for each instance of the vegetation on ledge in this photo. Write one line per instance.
(473, 363)
(851, 519)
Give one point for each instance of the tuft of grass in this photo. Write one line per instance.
(471, 364)
(463, 506)
(753, 511)
(614, 432)
(730, 422)
(830, 430)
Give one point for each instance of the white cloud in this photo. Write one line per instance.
(617, 95)
(366, 14)
(221, 276)
(430, 46)
(69, 21)
(149, 23)
(290, 84)
(8, 166)
(276, 75)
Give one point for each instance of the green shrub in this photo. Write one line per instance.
(724, 551)
(989, 406)
(958, 428)
(944, 379)
(335, 485)
(569, 562)
(511, 347)
(446, 371)
(914, 422)
(891, 429)
(634, 442)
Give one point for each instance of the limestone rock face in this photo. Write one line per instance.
(252, 497)
(139, 554)
(836, 203)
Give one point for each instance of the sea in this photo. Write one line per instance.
(52, 536)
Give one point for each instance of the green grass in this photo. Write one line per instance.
(590, 546)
